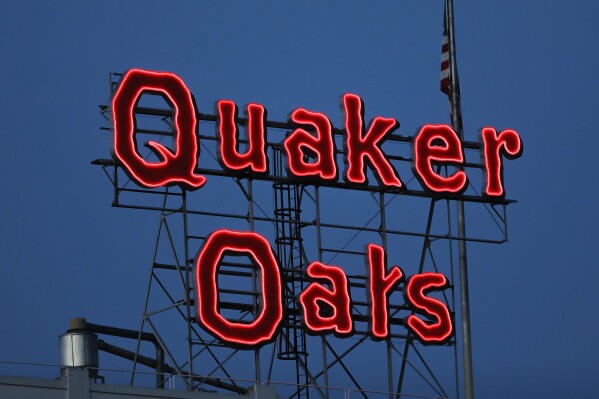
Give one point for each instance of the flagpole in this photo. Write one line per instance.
(463, 263)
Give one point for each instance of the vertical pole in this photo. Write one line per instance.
(159, 366)
(465, 305)
(384, 242)
(254, 275)
(187, 286)
(463, 264)
(325, 367)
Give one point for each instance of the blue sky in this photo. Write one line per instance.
(64, 252)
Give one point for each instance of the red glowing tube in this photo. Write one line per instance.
(493, 146)
(337, 298)
(266, 323)
(440, 330)
(360, 146)
(228, 135)
(436, 144)
(321, 147)
(380, 288)
(174, 167)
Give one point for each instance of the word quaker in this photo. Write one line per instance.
(309, 155)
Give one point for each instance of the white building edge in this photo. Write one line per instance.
(77, 383)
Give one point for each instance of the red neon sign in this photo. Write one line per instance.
(228, 134)
(322, 147)
(380, 287)
(493, 146)
(336, 298)
(263, 328)
(360, 146)
(440, 330)
(174, 167)
(311, 153)
(438, 144)
(310, 149)
(326, 302)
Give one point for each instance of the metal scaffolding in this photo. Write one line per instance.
(305, 222)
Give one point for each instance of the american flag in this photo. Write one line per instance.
(446, 78)
(445, 63)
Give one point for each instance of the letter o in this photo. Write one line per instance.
(266, 323)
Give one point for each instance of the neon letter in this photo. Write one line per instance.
(228, 135)
(174, 167)
(359, 145)
(321, 147)
(264, 326)
(438, 143)
(380, 289)
(337, 298)
(439, 331)
(494, 145)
